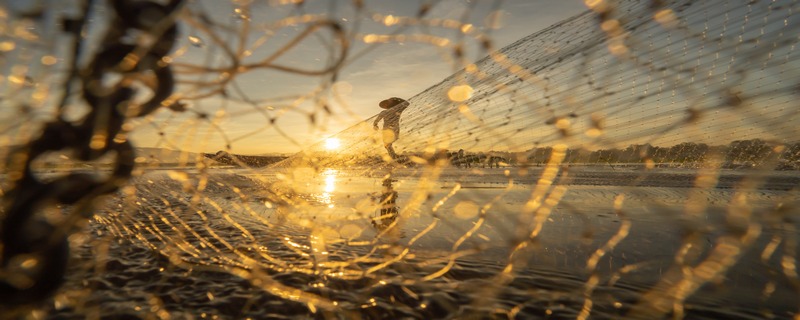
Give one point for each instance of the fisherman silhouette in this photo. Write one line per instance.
(391, 122)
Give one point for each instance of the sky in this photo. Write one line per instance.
(246, 69)
(264, 109)
(277, 120)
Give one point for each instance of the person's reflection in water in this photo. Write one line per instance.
(388, 206)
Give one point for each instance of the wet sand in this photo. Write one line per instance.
(235, 248)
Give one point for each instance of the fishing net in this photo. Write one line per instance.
(637, 160)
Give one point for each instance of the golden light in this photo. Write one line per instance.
(330, 186)
(330, 180)
(460, 93)
(332, 143)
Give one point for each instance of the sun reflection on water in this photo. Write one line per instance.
(330, 186)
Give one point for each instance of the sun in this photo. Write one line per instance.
(332, 143)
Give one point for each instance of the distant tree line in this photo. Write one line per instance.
(737, 154)
(225, 158)
(463, 159)
(754, 153)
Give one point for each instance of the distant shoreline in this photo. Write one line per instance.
(223, 157)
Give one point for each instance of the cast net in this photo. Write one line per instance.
(638, 160)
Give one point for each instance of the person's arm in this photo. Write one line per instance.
(377, 119)
(402, 107)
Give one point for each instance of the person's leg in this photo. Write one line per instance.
(390, 149)
(389, 136)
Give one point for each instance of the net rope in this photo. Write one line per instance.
(638, 160)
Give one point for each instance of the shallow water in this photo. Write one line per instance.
(273, 244)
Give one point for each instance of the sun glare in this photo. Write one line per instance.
(332, 143)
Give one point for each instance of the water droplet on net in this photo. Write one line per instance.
(466, 210)
(241, 14)
(197, 42)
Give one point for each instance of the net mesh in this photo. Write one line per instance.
(637, 160)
